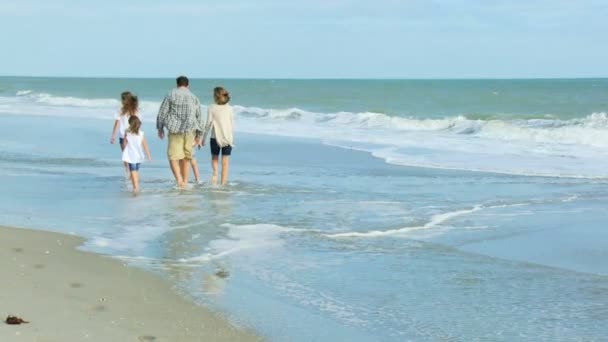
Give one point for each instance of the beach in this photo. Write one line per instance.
(69, 295)
(459, 210)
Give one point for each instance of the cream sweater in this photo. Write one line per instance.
(220, 120)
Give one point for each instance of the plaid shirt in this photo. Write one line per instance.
(180, 112)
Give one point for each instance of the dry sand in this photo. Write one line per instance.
(69, 295)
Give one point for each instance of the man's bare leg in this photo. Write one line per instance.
(177, 173)
(184, 165)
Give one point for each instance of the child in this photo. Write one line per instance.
(220, 119)
(134, 146)
(130, 106)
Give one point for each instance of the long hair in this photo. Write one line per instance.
(123, 96)
(221, 96)
(130, 104)
(134, 124)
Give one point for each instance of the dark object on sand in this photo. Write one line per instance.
(222, 274)
(14, 320)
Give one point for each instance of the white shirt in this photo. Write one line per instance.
(134, 151)
(124, 122)
(220, 119)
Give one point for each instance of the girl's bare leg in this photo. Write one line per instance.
(127, 172)
(135, 181)
(225, 169)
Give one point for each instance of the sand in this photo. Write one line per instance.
(70, 295)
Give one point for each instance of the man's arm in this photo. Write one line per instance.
(161, 118)
(199, 121)
(207, 125)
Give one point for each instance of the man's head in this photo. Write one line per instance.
(182, 81)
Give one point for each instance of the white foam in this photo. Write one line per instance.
(23, 92)
(436, 220)
(539, 147)
(243, 239)
(48, 99)
(27, 102)
(536, 147)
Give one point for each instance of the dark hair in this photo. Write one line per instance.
(134, 124)
(182, 81)
(124, 95)
(130, 104)
(221, 95)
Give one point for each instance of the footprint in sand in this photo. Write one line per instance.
(39, 266)
(17, 250)
(76, 285)
(147, 338)
(100, 308)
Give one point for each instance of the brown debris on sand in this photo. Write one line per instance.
(222, 274)
(14, 320)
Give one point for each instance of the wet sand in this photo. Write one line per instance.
(69, 295)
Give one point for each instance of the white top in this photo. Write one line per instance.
(134, 151)
(220, 119)
(124, 122)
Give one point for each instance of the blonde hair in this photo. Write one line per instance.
(221, 95)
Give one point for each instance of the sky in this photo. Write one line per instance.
(305, 38)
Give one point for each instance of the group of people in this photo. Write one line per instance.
(180, 120)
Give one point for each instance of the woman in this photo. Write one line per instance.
(220, 119)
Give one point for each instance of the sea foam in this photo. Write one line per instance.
(536, 147)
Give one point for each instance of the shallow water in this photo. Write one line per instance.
(312, 242)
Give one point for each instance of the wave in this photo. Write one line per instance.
(435, 221)
(27, 102)
(69, 101)
(248, 238)
(590, 130)
(521, 146)
(440, 219)
(527, 147)
(23, 92)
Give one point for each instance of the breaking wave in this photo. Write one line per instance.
(539, 147)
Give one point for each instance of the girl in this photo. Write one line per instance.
(134, 146)
(130, 106)
(220, 120)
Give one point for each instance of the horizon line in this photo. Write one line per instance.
(320, 78)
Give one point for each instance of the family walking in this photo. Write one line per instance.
(180, 120)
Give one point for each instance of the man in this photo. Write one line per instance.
(180, 114)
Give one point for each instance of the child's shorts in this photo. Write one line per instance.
(121, 141)
(215, 148)
(134, 167)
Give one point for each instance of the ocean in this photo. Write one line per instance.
(357, 210)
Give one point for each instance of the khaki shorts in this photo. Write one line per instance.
(180, 146)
